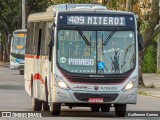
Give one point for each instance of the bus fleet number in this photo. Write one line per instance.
(76, 19)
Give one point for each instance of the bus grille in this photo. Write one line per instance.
(106, 97)
(113, 80)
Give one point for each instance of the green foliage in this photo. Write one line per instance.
(143, 27)
(10, 14)
(116, 4)
(33, 6)
(150, 59)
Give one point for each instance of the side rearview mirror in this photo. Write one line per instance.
(51, 43)
(140, 42)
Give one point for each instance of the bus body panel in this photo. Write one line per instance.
(39, 75)
(29, 72)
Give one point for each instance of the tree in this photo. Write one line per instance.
(152, 28)
(9, 19)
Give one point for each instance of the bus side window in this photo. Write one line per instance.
(47, 39)
(30, 40)
(43, 36)
(36, 38)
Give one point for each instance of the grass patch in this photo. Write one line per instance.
(148, 94)
(143, 93)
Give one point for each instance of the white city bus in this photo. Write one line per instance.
(17, 51)
(71, 59)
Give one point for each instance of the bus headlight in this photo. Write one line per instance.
(129, 86)
(60, 82)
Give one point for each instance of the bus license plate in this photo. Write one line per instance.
(96, 100)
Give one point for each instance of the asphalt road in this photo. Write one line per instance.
(14, 98)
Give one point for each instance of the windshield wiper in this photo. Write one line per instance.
(109, 37)
(83, 36)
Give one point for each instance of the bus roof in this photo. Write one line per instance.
(43, 16)
(20, 30)
(97, 11)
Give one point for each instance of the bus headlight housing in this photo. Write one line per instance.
(61, 82)
(129, 86)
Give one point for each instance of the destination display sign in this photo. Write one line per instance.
(102, 20)
(96, 20)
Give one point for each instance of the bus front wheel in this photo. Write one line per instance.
(120, 110)
(55, 108)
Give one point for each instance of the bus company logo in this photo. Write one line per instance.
(62, 59)
(100, 76)
(82, 87)
(96, 87)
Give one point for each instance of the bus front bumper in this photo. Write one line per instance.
(70, 96)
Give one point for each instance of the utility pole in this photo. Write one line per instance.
(128, 5)
(23, 15)
(158, 53)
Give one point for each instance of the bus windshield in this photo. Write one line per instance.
(106, 53)
(19, 42)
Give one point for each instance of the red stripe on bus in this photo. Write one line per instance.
(37, 57)
(29, 56)
(39, 77)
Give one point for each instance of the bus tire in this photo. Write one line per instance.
(120, 110)
(36, 104)
(95, 108)
(105, 108)
(55, 109)
(45, 106)
(21, 72)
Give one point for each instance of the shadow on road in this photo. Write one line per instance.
(81, 114)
